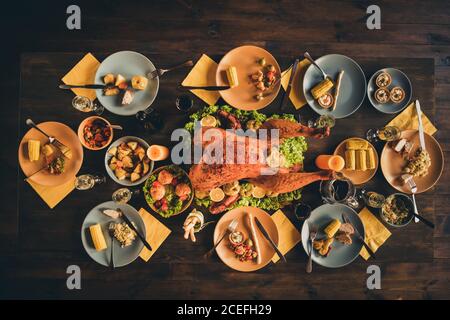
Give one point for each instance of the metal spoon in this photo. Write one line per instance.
(307, 56)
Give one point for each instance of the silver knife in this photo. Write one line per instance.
(131, 225)
(266, 235)
(419, 117)
(291, 80)
(358, 235)
(85, 86)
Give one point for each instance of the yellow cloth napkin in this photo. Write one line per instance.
(83, 73)
(296, 95)
(53, 195)
(156, 234)
(288, 235)
(376, 232)
(407, 119)
(203, 74)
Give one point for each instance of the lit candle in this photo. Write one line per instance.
(157, 152)
(330, 162)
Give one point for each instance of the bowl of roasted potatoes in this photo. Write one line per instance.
(126, 161)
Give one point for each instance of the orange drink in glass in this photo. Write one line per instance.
(330, 162)
(157, 153)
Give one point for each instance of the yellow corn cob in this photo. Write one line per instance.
(34, 148)
(350, 159)
(354, 144)
(361, 163)
(97, 237)
(370, 159)
(232, 76)
(322, 88)
(332, 228)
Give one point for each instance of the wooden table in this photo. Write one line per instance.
(40, 243)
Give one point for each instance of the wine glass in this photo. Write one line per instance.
(388, 133)
(372, 198)
(124, 195)
(88, 181)
(84, 104)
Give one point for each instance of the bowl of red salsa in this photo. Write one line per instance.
(94, 133)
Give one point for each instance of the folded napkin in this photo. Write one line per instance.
(288, 235)
(54, 194)
(296, 95)
(376, 232)
(203, 74)
(83, 73)
(407, 119)
(156, 234)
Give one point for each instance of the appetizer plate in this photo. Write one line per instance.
(245, 59)
(127, 182)
(227, 255)
(128, 64)
(122, 256)
(353, 84)
(64, 134)
(186, 203)
(357, 177)
(399, 79)
(340, 255)
(87, 121)
(392, 163)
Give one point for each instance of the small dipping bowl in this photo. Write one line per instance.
(81, 133)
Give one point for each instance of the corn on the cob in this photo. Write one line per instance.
(350, 159)
(232, 76)
(332, 228)
(355, 144)
(322, 88)
(34, 149)
(361, 163)
(370, 159)
(97, 237)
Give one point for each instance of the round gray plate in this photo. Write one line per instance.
(340, 255)
(127, 182)
(128, 64)
(398, 79)
(122, 256)
(353, 85)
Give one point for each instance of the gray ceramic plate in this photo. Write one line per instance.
(122, 256)
(127, 182)
(340, 255)
(398, 79)
(128, 64)
(353, 85)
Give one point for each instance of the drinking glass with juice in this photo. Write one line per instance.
(330, 162)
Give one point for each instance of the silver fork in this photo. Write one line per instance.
(111, 233)
(312, 237)
(230, 229)
(160, 72)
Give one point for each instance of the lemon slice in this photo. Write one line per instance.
(258, 192)
(208, 121)
(216, 194)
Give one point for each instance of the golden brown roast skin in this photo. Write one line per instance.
(287, 182)
(208, 174)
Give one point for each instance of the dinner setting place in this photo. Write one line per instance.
(223, 207)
